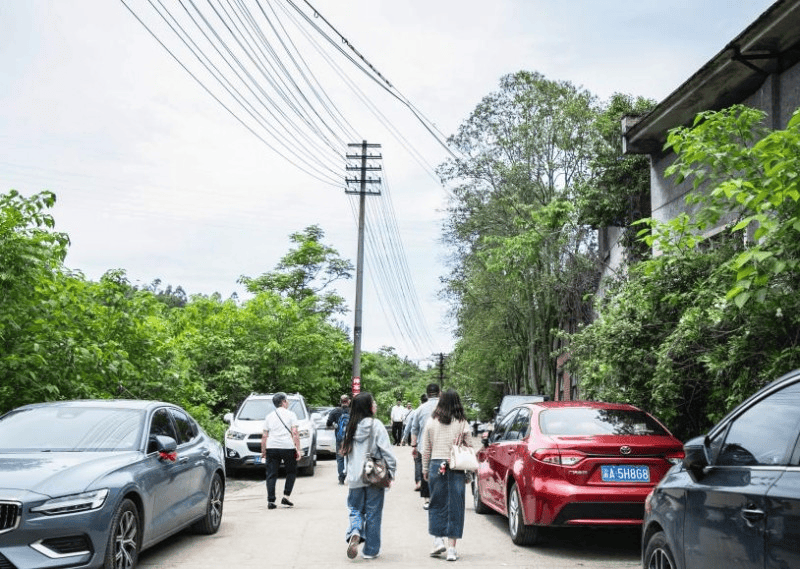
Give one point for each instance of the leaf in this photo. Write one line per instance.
(741, 299)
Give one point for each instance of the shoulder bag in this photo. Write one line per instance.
(375, 471)
(462, 456)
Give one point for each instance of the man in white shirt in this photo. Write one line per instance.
(280, 443)
(397, 415)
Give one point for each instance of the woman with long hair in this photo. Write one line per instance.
(447, 424)
(364, 434)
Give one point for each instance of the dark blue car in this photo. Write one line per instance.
(93, 483)
(734, 503)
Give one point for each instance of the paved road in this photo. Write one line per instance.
(312, 533)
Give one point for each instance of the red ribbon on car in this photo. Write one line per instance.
(171, 456)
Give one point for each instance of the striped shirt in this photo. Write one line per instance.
(438, 439)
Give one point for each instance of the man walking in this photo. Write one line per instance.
(407, 437)
(337, 419)
(280, 443)
(397, 415)
(417, 426)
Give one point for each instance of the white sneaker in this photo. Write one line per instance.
(438, 546)
(451, 554)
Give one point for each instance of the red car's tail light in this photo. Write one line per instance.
(675, 457)
(553, 456)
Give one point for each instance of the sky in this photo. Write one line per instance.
(154, 176)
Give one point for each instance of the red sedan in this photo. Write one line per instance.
(572, 463)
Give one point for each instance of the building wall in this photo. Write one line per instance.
(778, 96)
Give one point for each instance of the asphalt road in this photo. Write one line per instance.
(312, 533)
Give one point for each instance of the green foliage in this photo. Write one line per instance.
(522, 262)
(699, 327)
(612, 193)
(63, 337)
(305, 272)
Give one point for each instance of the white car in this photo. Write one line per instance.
(243, 437)
(326, 436)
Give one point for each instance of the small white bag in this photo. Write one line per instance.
(463, 457)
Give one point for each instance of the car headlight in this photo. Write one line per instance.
(303, 433)
(74, 503)
(235, 435)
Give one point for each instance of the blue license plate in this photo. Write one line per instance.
(616, 473)
(257, 459)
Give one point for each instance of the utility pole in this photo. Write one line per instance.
(362, 180)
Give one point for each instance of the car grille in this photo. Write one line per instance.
(5, 563)
(600, 511)
(9, 516)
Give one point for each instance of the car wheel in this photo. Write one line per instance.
(307, 470)
(520, 533)
(213, 518)
(480, 507)
(658, 554)
(122, 551)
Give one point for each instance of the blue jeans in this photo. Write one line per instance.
(366, 510)
(446, 510)
(340, 462)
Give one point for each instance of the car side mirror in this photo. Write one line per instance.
(228, 418)
(695, 457)
(165, 444)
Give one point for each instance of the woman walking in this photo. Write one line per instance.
(365, 434)
(446, 510)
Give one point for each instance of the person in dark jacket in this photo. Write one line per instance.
(333, 421)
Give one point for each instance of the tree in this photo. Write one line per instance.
(305, 272)
(520, 255)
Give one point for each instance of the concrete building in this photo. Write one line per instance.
(759, 68)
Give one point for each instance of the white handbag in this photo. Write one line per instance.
(463, 457)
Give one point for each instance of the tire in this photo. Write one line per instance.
(211, 521)
(658, 555)
(477, 503)
(122, 550)
(520, 533)
(307, 470)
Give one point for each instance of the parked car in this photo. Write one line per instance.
(93, 483)
(243, 437)
(508, 402)
(571, 464)
(735, 500)
(326, 436)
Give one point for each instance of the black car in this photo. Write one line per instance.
(735, 500)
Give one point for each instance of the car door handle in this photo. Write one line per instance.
(752, 515)
(183, 459)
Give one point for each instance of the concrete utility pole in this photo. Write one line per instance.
(362, 192)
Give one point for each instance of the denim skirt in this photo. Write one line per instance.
(446, 509)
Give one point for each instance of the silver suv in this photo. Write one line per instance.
(243, 437)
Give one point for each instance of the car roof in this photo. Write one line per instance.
(580, 404)
(106, 403)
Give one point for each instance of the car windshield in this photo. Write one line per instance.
(70, 429)
(258, 409)
(576, 421)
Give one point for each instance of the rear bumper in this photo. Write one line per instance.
(559, 503)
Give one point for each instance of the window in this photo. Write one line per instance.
(160, 425)
(519, 428)
(187, 430)
(765, 434)
(501, 428)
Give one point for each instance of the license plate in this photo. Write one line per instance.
(616, 473)
(257, 459)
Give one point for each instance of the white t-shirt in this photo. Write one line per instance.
(280, 436)
(398, 413)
